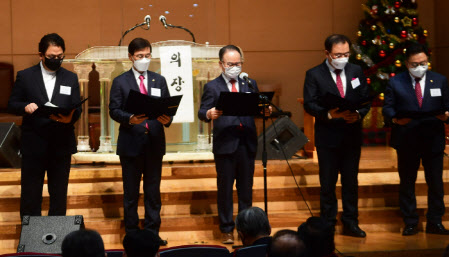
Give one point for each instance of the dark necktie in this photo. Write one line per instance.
(418, 92)
(340, 83)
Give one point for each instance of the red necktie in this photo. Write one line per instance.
(234, 88)
(340, 83)
(418, 91)
(144, 91)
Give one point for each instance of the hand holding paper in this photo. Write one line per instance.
(62, 118)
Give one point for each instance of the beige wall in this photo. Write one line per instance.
(281, 39)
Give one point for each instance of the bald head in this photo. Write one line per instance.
(286, 243)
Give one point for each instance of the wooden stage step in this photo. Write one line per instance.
(189, 211)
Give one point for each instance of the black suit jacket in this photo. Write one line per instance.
(318, 82)
(41, 135)
(226, 136)
(132, 138)
(400, 98)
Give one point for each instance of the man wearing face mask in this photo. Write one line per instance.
(234, 142)
(141, 142)
(338, 134)
(47, 143)
(417, 103)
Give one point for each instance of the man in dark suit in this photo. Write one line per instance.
(47, 143)
(417, 102)
(338, 133)
(234, 142)
(141, 142)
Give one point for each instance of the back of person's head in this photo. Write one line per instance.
(141, 243)
(51, 39)
(253, 222)
(83, 243)
(286, 243)
(318, 236)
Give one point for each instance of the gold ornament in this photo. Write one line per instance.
(405, 50)
(359, 33)
(359, 57)
(381, 96)
(396, 19)
(415, 36)
(398, 63)
(373, 28)
(425, 33)
(407, 22)
(429, 65)
(391, 45)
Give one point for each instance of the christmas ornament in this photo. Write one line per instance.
(404, 50)
(429, 65)
(368, 80)
(359, 33)
(396, 19)
(373, 28)
(364, 43)
(425, 33)
(415, 36)
(415, 21)
(374, 9)
(358, 57)
(383, 42)
(382, 53)
(407, 22)
(377, 41)
(381, 96)
(397, 4)
(403, 34)
(390, 10)
(392, 74)
(391, 45)
(398, 63)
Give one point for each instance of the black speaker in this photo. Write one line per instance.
(44, 234)
(9, 145)
(283, 134)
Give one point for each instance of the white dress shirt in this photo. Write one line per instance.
(49, 81)
(422, 83)
(145, 78)
(229, 84)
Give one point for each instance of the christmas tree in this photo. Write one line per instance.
(383, 35)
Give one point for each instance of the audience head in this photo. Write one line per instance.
(252, 224)
(85, 243)
(318, 236)
(286, 243)
(141, 243)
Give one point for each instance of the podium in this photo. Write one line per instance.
(111, 61)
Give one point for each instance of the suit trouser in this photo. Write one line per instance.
(238, 166)
(32, 182)
(132, 170)
(331, 161)
(408, 164)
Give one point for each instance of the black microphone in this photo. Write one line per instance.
(147, 20)
(163, 20)
(244, 76)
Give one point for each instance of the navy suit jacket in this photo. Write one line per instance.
(318, 82)
(226, 136)
(132, 138)
(41, 135)
(400, 97)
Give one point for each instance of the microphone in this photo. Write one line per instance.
(147, 20)
(244, 76)
(163, 20)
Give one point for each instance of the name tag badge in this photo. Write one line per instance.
(355, 82)
(64, 90)
(435, 92)
(156, 92)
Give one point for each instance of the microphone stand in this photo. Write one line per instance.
(131, 29)
(180, 27)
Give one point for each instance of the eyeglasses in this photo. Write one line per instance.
(57, 57)
(141, 56)
(336, 56)
(416, 64)
(232, 64)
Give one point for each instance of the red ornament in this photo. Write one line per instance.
(383, 42)
(403, 34)
(415, 21)
(368, 80)
(392, 74)
(364, 43)
(382, 53)
(397, 4)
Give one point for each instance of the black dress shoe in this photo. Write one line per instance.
(162, 242)
(410, 230)
(438, 228)
(353, 230)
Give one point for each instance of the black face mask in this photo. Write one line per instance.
(53, 64)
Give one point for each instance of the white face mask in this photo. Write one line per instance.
(233, 72)
(142, 64)
(339, 63)
(419, 71)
